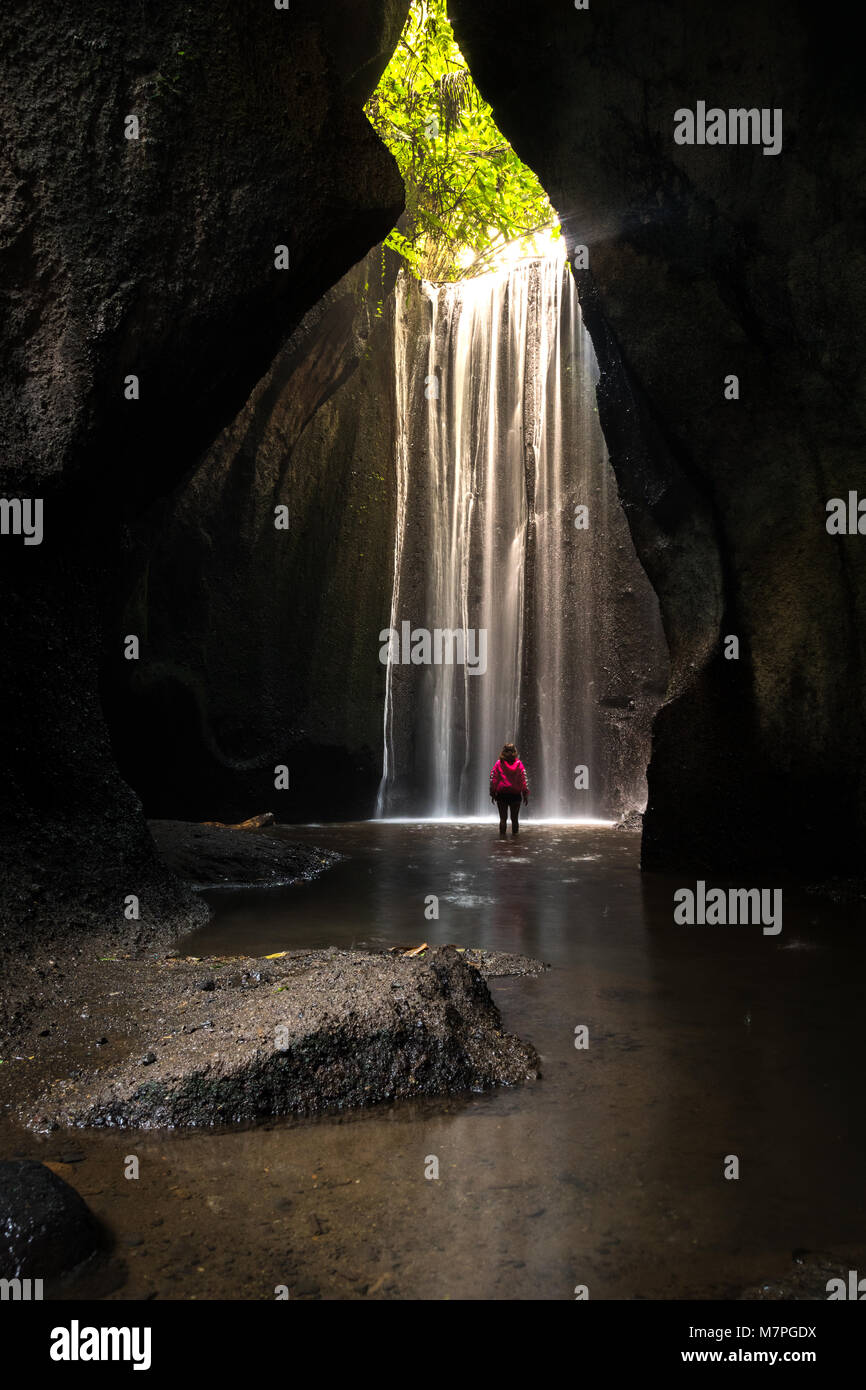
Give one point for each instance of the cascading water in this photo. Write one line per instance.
(508, 531)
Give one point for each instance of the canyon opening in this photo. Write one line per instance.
(433, 725)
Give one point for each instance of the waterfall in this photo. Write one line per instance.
(498, 445)
(401, 360)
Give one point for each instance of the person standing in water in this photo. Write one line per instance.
(508, 785)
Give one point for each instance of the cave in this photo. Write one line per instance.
(312, 500)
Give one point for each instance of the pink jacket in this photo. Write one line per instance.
(508, 777)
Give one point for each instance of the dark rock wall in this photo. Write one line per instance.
(271, 657)
(704, 262)
(153, 257)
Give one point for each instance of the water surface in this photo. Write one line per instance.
(703, 1042)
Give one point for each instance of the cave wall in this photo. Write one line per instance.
(154, 257)
(706, 261)
(271, 658)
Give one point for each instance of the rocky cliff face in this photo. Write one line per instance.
(155, 258)
(271, 659)
(705, 262)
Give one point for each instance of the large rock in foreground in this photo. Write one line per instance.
(46, 1229)
(303, 1034)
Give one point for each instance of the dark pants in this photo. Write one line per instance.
(504, 801)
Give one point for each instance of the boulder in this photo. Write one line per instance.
(46, 1229)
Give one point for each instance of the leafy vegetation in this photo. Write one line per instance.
(468, 195)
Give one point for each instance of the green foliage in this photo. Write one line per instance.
(467, 193)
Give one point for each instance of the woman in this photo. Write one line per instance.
(507, 785)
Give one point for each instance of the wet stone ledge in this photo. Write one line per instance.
(217, 856)
(245, 1039)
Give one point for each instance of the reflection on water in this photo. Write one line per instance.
(704, 1042)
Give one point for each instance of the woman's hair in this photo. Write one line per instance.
(509, 753)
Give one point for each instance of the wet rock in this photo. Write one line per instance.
(46, 1229)
(492, 965)
(206, 855)
(319, 1038)
(806, 1279)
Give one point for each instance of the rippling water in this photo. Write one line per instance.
(704, 1042)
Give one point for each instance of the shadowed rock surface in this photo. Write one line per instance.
(46, 1229)
(312, 1031)
(273, 656)
(209, 857)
